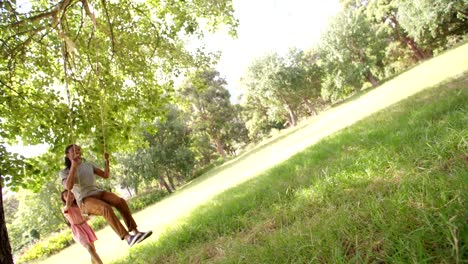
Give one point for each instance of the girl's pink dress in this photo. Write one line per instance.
(82, 232)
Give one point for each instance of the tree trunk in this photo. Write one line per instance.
(129, 192)
(5, 248)
(310, 107)
(219, 146)
(180, 179)
(372, 79)
(418, 53)
(164, 183)
(230, 150)
(171, 181)
(291, 114)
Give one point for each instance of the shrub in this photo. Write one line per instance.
(97, 223)
(205, 169)
(143, 200)
(48, 247)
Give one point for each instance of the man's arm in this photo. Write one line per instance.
(106, 172)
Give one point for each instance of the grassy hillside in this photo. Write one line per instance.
(390, 189)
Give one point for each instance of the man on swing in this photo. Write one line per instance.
(80, 177)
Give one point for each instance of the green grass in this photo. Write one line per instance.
(390, 189)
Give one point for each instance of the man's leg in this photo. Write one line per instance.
(121, 205)
(95, 206)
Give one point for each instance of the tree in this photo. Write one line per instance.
(11, 166)
(305, 78)
(202, 147)
(278, 90)
(352, 53)
(38, 213)
(129, 172)
(167, 156)
(115, 59)
(119, 48)
(268, 83)
(433, 22)
(5, 250)
(383, 14)
(212, 111)
(262, 112)
(235, 135)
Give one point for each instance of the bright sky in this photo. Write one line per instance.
(270, 26)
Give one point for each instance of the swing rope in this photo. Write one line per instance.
(67, 89)
(69, 100)
(102, 92)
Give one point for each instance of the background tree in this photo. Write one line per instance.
(434, 23)
(352, 53)
(279, 90)
(212, 111)
(129, 173)
(235, 134)
(170, 147)
(260, 114)
(258, 120)
(267, 85)
(383, 14)
(10, 205)
(167, 158)
(203, 148)
(38, 213)
(306, 79)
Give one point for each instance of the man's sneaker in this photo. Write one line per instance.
(134, 239)
(143, 236)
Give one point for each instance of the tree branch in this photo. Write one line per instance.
(33, 18)
(38, 110)
(89, 13)
(60, 7)
(104, 6)
(26, 42)
(158, 37)
(10, 9)
(80, 28)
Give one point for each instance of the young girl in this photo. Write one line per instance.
(81, 231)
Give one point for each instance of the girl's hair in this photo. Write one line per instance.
(63, 198)
(67, 160)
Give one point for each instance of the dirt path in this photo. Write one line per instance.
(157, 217)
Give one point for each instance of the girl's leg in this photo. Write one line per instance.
(94, 255)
